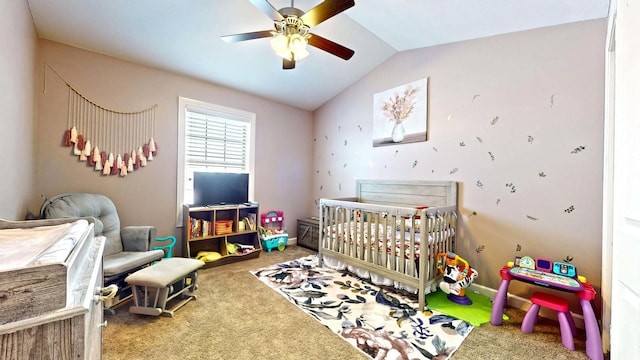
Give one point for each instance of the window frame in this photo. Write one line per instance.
(187, 104)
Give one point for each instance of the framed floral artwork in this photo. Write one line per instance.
(400, 114)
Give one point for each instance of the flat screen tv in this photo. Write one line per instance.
(215, 188)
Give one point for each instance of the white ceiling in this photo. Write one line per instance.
(184, 36)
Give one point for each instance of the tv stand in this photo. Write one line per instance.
(221, 229)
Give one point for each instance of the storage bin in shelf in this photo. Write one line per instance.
(277, 241)
(223, 227)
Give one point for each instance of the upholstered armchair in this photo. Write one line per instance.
(127, 249)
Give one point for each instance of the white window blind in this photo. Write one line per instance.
(211, 138)
(214, 143)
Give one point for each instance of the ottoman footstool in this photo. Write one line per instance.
(154, 286)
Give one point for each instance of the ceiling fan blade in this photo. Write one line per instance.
(288, 64)
(247, 36)
(330, 47)
(266, 7)
(325, 10)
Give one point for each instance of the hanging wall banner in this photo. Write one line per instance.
(111, 142)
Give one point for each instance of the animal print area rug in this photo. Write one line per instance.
(382, 324)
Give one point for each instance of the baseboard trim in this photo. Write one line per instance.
(523, 304)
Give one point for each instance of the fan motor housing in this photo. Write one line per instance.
(289, 11)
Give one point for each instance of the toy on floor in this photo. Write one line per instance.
(457, 275)
(272, 232)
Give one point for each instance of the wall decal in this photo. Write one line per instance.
(518, 248)
(345, 143)
(479, 139)
(480, 248)
(493, 158)
(435, 149)
(495, 120)
(568, 258)
(453, 171)
(513, 187)
(415, 163)
(462, 144)
(530, 139)
(498, 201)
(479, 184)
(552, 95)
(475, 96)
(578, 149)
(542, 174)
(532, 218)
(344, 165)
(360, 128)
(400, 114)
(569, 209)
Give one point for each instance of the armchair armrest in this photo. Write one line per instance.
(137, 238)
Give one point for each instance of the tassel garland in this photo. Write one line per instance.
(108, 164)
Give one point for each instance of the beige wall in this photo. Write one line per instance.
(148, 195)
(508, 109)
(17, 68)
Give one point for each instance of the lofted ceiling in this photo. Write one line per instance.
(183, 36)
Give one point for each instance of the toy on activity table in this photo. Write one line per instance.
(272, 232)
(457, 275)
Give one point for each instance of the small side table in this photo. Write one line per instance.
(308, 233)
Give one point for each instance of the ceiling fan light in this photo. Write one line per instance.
(280, 43)
(300, 54)
(297, 43)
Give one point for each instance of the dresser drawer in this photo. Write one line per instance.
(308, 233)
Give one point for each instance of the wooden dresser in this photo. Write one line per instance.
(72, 331)
(308, 233)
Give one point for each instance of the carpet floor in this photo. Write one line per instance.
(238, 317)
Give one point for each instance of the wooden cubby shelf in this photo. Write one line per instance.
(221, 229)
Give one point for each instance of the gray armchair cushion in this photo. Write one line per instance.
(97, 206)
(137, 238)
(125, 248)
(125, 261)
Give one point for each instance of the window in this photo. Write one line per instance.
(212, 138)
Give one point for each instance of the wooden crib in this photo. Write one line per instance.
(382, 231)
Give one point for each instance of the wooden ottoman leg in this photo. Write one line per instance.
(143, 302)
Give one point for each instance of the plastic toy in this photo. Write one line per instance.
(208, 256)
(168, 243)
(272, 232)
(457, 275)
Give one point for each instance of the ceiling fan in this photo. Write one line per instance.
(292, 26)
